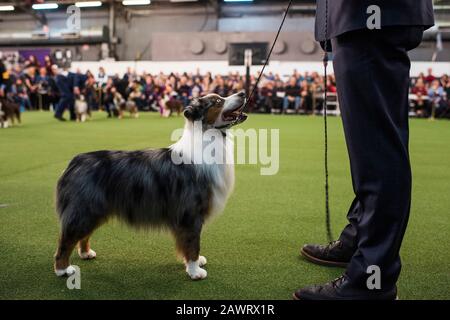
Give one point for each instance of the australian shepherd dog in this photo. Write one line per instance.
(81, 108)
(9, 111)
(148, 189)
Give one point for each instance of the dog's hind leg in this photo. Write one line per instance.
(75, 228)
(84, 249)
(65, 247)
(188, 244)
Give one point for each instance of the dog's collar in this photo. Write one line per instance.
(222, 130)
(227, 126)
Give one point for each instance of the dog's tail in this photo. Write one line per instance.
(63, 194)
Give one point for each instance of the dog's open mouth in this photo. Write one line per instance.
(235, 115)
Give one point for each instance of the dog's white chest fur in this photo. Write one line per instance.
(222, 185)
(220, 175)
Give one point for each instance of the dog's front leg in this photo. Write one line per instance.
(194, 271)
(188, 244)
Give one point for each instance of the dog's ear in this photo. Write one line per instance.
(193, 111)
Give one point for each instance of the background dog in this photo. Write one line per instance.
(81, 108)
(131, 107)
(148, 189)
(9, 112)
(174, 106)
(121, 106)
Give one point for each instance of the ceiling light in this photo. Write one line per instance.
(88, 4)
(7, 8)
(44, 6)
(135, 2)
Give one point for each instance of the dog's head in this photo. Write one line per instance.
(217, 112)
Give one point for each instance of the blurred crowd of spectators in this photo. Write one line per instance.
(430, 95)
(36, 86)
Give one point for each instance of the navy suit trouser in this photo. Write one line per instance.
(372, 75)
(66, 102)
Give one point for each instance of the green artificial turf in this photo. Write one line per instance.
(252, 248)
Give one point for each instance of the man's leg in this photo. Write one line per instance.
(349, 236)
(108, 109)
(372, 75)
(60, 107)
(71, 106)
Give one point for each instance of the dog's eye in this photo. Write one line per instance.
(218, 101)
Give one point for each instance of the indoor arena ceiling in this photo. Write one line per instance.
(309, 2)
(439, 4)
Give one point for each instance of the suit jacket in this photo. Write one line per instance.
(349, 15)
(66, 84)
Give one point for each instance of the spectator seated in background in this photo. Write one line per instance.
(136, 94)
(29, 79)
(19, 94)
(267, 97)
(445, 83)
(44, 89)
(220, 87)
(184, 91)
(149, 92)
(421, 105)
(108, 97)
(91, 92)
(438, 99)
(197, 87)
(102, 78)
(306, 95)
(430, 77)
(279, 95)
(292, 96)
(34, 87)
(3, 73)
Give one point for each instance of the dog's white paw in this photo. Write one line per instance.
(194, 271)
(67, 271)
(202, 261)
(198, 274)
(91, 254)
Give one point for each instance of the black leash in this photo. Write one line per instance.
(268, 57)
(325, 105)
(325, 123)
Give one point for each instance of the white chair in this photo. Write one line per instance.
(332, 104)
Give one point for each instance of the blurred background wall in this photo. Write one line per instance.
(170, 30)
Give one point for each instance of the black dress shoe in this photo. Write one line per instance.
(333, 255)
(338, 290)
